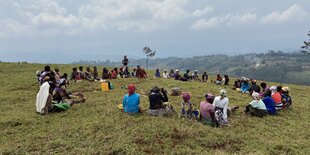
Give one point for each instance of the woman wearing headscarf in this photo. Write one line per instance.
(257, 106)
(276, 96)
(131, 100)
(221, 107)
(188, 109)
(159, 102)
(207, 110)
(286, 98)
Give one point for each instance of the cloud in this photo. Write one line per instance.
(203, 12)
(293, 13)
(227, 20)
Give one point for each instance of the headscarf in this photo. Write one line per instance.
(223, 93)
(186, 97)
(256, 96)
(209, 97)
(285, 89)
(131, 89)
(273, 89)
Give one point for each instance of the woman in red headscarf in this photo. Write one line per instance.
(131, 100)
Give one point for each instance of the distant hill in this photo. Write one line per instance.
(271, 66)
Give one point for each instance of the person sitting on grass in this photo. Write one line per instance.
(219, 79)
(114, 73)
(95, 73)
(225, 80)
(171, 73)
(195, 75)
(44, 101)
(131, 101)
(186, 76)
(207, 115)
(286, 98)
(166, 74)
(45, 72)
(205, 77)
(88, 75)
(159, 105)
(188, 109)
(276, 96)
(157, 73)
(177, 75)
(81, 73)
(254, 87)
(257, 106)
(269, 103)
(57, 74)
(245, 86)
(264, 88)
(221, 108)
(237, 85)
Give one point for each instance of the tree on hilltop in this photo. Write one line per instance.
(305, 49)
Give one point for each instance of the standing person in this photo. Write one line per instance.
(207, 115)
(131, 100)
(221, 108)
(166, 74)
(125, 62)
(205, 77)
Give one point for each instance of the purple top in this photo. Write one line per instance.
(206, 109)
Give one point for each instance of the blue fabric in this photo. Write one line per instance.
(245, 87)
(131, 103)
(270, 105)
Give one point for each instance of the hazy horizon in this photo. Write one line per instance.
(56, 31)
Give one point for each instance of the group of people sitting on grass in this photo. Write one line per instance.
(53, 95)
(191, 77)
(213, 111)
(266, 100)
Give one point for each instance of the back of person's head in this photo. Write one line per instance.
(155, 89)
(267, 93)
(263, 85)
(131, 89)
(204, 72)
(285, 90)
(256, 96)
(87, 69)
(186, 97)
(56, 70)
(65, 76)
(223, 93)
(74, 69)
(209, 97)
(157, 70)
(279, 89)
(81, 68)
(47, 68)
(187, 71)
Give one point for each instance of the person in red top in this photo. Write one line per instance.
(276, 96)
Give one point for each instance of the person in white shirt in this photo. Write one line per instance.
(257, 106)
(221, 106)
(165, 74)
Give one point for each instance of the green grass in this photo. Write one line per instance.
(98, 127)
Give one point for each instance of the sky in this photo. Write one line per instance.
(62, 31)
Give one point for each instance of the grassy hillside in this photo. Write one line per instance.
(98, 127)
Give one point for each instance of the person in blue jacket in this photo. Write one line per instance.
(245, 86)
(269, 103)
(131, 100)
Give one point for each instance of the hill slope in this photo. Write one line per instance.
(98, 127)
